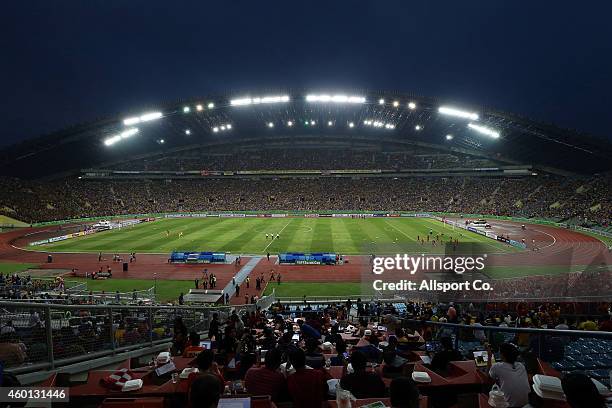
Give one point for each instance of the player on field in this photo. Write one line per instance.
(180, 235)
(277, 236)
(266, 236)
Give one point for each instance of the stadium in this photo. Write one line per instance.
(256, 205)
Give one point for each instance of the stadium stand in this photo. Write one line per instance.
(587, 201)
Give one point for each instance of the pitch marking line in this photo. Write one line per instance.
(552, 236)
(402, 232)
(278, 233)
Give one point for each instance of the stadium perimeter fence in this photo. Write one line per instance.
(55, 335)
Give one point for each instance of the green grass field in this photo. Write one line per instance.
(299, 289)
(166, 290)
(248, 236)
(12, 267)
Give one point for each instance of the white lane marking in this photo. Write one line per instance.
(546, 233)
(278, 233)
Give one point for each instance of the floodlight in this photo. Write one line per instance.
(289, 123)
(199, 108)
(142, 118)
(131, 121)
(215, 129)
(128, 133)
(312, 122)
(162, 141)
(381, 101)
(211, 105)
(484, 130)
(270, 124)
(228, 126)
(418, 127)
(330, 123)
(458, 113)
(411, 105)
(259, 100)
(186, 109)
(449, 137)
(222, 127)
(123, 135)
(335, 98)
(187, 131)
(395, 104)
(351, 124)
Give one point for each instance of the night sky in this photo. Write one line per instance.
(66, 62)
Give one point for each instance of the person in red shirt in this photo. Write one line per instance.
(267, 380)
(307, 387)
(606, 324)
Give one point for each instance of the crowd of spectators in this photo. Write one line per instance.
(200, 159)
(589, 201)
(369, 343)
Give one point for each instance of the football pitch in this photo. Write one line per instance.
(349, 236)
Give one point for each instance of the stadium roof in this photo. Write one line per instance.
(260, 119)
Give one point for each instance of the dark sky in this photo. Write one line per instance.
(65, 62)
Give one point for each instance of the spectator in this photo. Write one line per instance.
(440, 360)
(205, 391)
(307, 388)
(510, 375)
(360, 383)
(580, 391)
(403, 393)
(193, 345)
(267, 380)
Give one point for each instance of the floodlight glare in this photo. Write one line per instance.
(418, 127)
(381, 101)
(142, 118)
(330, 123)
(186, 109)
(187, 131)
(312, 122)
(162, 141)
(411, 105)
(289, 123)
(131, 121)
(351, 124)
(484, 130)
(449, 137)
(228, 126)
(123, 135)
(199, 108)
(259, 100)
(270, 124)
(458, 113)
(395, 104)
(211, 105)
(335, 98)
(215, 129)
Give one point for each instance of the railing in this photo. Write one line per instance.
(267, 301)
(564, 350)
(337, 299)
(54, 335)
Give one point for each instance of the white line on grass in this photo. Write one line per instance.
(402, 232)
(278, 233)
